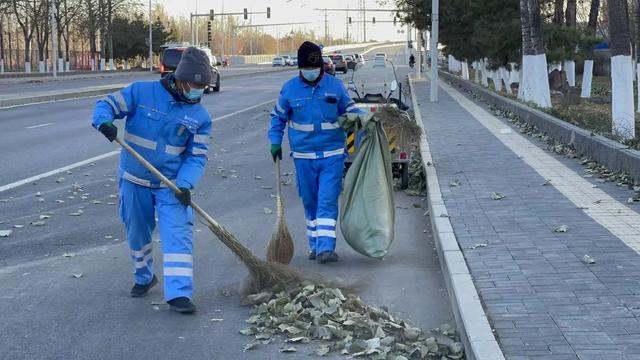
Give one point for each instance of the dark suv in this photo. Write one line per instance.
(170, 56)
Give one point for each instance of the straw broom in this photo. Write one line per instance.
(263, 275)
(280, 248)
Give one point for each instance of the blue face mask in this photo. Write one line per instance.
(310, 75)
(193, 94)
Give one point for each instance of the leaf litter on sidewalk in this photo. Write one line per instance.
(343, 324)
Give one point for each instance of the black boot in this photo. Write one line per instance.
(312, 255)
(141, 290)
(182, 305)
(327, 256)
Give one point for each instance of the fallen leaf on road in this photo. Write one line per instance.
(478, 246)
(5, 233)
(287, 182)
(288, 350)
(38, 194)
(156, 302)
(4, 200)
(454, 183)
(217, 320)
(588, 260)
(76, 275)
(77, 213)
(561, 229)
(40, 199)
(546, 182)
(250, 346)
(630, 200)
(497, 196)
(59, 201)
(44, 217)
(266, 187)
(38, 223)
(417, 206)
(113, 196)
(257, 177)
(444, 215)
(108, 237)
(68, 172)
(111, 203)
(299, 339)
(267, 211)
(96, 202)
(323, 350)
(68, 255)
(18, 226)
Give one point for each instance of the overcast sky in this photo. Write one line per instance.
(284, 11)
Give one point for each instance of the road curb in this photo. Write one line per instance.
(610, 153)
(107, 89)
(470, 317)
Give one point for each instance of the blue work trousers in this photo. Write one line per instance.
(319, 186)
(138, 205)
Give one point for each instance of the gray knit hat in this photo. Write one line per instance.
(194, 67)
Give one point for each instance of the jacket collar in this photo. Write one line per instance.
(319, 84)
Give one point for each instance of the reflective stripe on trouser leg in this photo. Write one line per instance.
(138, 215)
(329, 188)
(307, 179)
(175, 222)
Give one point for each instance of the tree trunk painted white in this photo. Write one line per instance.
(570, 69)
(41, 66)
(126, 64)
(27, 67)
(484, 73)
(520, 84)
(67, 67)
(587, 76)
(638, 82)
(476, 67)
(449, 64)
(111, 65)
(60, 65)
(622, 95)
(102, 64)
(92, 62)
(555, 66)
(1, 66)
(506, 78)
(535, 80)
(465, 70)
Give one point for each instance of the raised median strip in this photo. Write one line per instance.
(610, 153)
(471, 319)
(92, 91)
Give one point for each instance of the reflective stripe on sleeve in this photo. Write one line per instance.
(312, 233)
(202, 139)
(326, 222)
(178, 271)
(199, 151)
(174, 150)
(140, 141)
(120, 100)
(330, 126)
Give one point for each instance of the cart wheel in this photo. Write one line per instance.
(404, 181)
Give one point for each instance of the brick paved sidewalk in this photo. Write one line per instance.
(543, 301)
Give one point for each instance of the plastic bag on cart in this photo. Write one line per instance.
(367, 211)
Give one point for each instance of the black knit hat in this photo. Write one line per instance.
(309, 55)
(194, 66)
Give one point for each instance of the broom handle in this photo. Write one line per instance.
(279, 205)
(168, 183)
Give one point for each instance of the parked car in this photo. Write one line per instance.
(379, 61)
(171, 53)
(287, 60)
(359, 58)
(278, 61)
(328, 65)
(339, 63)
(294, 61)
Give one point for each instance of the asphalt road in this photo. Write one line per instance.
(50, 314)
(26, 86)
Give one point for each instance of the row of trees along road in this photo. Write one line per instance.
(520, 41)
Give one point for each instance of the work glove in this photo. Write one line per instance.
(184, 196)
(276, 151)
(109, 130)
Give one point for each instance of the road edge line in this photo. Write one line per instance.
(471, 320)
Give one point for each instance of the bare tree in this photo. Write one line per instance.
(593, 16)
(23, 10)
(534, 86)
(571, 14)
(558, 12)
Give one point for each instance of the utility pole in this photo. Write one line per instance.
(150, 40)
(364, 18)
(54, 42)
(223, 34)
(434, 50)
(347, 22)
(326, 27)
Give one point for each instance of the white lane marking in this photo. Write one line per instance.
(621, 221)
(103, 156)
(243, 110)
(38, 126)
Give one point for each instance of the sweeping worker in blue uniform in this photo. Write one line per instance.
(169, 127)
(310, 105)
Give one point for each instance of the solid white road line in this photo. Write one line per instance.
(38, 126)
(103, 156)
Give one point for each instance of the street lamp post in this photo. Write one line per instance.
(150, 40)
(434, 50)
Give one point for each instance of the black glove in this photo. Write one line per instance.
(184, 196)
(109, 130)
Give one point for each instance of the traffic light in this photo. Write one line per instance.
(394, 20)
(209, 32)
(374, 20)
(246, 14)
(349, 19)
(268, 13)
(211, 15)
(410, 44)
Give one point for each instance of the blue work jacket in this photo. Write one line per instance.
(172, 135)
(312, 115)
